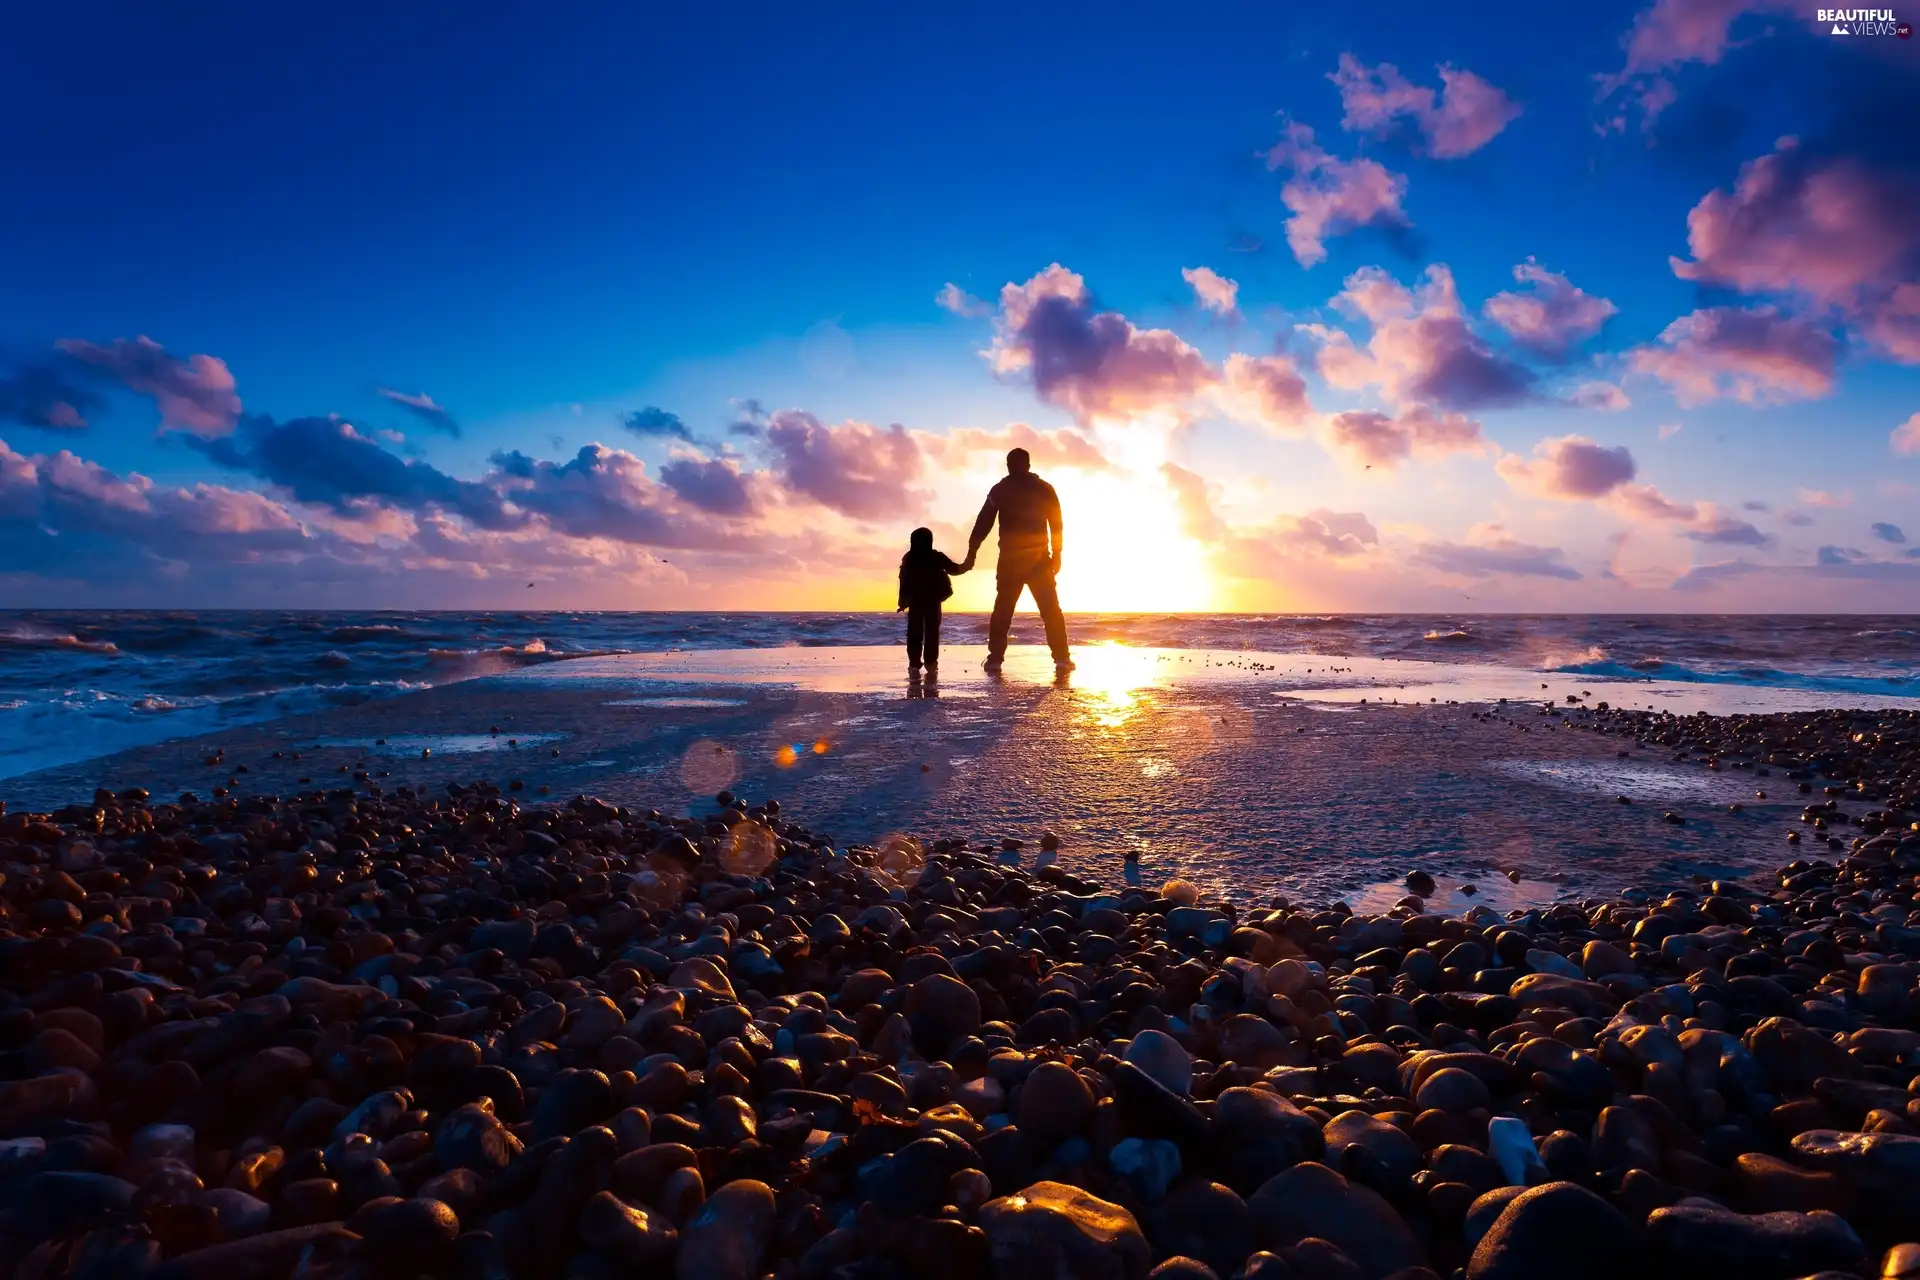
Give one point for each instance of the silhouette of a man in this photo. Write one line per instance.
(1030, 538)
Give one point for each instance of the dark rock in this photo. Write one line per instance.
(1560, 1230)
(941, 1009)
(408, 1236)
(1262, 1134)
(1202, 1220)
(1061, 1232)
(1715, 1242)
(1312, 1200)
(1054, 1103)
(1385, 1146)
(628, 1234)
(730, 1237)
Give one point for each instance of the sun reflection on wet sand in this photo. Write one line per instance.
(1109, 679)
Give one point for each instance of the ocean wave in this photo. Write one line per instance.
(1757, 677)
(366, 631)
(1455, 636)
(1573, 660)
(533, 651)
(29, 638)
(1888, 631)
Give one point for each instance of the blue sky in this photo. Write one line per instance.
(544, 222)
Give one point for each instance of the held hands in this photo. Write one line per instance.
(966, 566)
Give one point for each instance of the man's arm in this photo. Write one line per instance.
(1056, 526)
(982, 525)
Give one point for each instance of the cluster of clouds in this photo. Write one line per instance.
(321, 499)
(1812, 253)
(59, 389)
(1327, 195)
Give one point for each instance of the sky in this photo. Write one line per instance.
(1614, 308)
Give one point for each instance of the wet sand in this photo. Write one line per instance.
(1249, 774)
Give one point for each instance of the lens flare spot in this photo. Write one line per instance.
(658, 888)
(750, 849)
(708, 767)
(820, 746)
(785, 757)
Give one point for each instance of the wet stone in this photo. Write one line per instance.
(1060, 1231)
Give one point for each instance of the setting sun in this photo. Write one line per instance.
(1127, 550)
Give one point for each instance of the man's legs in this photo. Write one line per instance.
(916, 633)
(1005, 597)
(932, 638)
(1047, 600)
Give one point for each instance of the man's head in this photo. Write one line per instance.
(1019, 462)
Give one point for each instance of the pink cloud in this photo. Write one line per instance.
(1893, 324)
(1377, 439)
(1644, 502)
(1060, 448)
(1605, 396)
(1671, 34)
(215, 509)
(1333, 533)
(1710, 525)
(1258, 553)
(1831, 230)
(1094, 364)
(1906, 436)
(1266, 390)
(957, 300)
(1701, 521)
(1421, 349)
(1467, 115)
(1194, 500)
(1212, 290)
(714, 485)
(194, 395)
(1328, 196)
(423, 407)
(1490, 550)
(857, 469)
(1828, 501)
(1674, 32)
(1555, 316)
(1755, 355)
(78, 478)
(1568, 468)
(1575, 469)
(68, 519)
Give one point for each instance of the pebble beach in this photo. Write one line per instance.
(462, 1032)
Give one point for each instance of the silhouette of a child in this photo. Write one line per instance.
(924, 583)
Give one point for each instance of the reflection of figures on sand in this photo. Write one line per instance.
(927, 686)
(1028, 511)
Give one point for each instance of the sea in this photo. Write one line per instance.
(77, 685)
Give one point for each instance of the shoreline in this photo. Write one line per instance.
(365, 1034)
(1228, 779)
